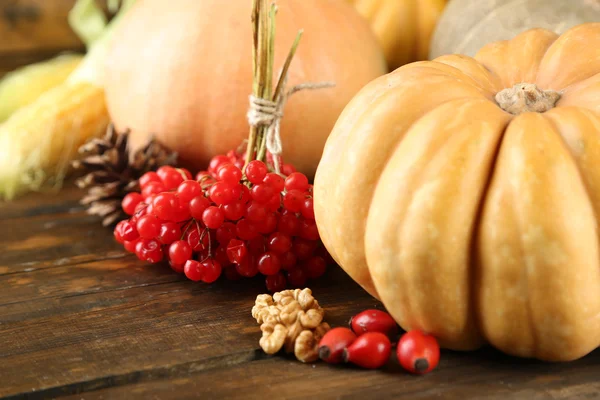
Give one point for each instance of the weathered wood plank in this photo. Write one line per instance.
(130, 324)
(48, 231)
(480, 375)
(44, 203)
(80, 318)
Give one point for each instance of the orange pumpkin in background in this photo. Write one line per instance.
(464, 193)
(403, 27)
(182, 70)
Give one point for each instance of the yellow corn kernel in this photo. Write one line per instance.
(38, 142)
(24, 85)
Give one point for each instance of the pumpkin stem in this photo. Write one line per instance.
(526, 97)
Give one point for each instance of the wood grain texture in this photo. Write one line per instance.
(81, 319)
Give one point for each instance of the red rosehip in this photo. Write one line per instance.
(374, 321)
(418, 352)
(370, 350)
(333, 343)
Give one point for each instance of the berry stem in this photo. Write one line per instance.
(263, 59)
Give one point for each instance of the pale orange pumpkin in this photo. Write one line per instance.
(465, 194)
(182, 70)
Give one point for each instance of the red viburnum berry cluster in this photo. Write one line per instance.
(226, 223)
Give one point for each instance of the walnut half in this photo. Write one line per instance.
(292, 320)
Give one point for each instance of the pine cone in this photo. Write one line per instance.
(111, 173)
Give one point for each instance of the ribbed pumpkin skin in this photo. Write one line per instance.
(403, 27)
(466, 221)
(182, 70)
(466, 26)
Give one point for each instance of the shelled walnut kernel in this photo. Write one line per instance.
(292, 320)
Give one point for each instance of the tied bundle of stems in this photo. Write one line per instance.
(263, 59)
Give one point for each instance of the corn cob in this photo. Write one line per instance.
(38, 141)
(24, 85)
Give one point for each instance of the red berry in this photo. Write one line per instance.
(149, 250)
(247, 267)
(180, 252)
(239, 163)
(288, 169)
(203, 176)
(165, 206)
(117, 232)
(169, 232)
(147, 178)
(140, 209)
(268, 224)
(170, 177)
(179, 268)
(130, 246)
(288, 261)
(236, 251)
(213, 217)
(333, 343)
(225, 233)
(288, 224)
(322, 252)
(257, 245)
(293, 200)
(197, 206)
(153, 188)
(148, 226)
(307, 209)
(262, 193)
(221, 193)
(256, 212)
(304, 249)
(274, 204)
(370, 350)
(418, 352)
(130, 202)
(232, 155)
(182, 213)
(296, 277)
(127, 231)
(188, 190)
(309, 230)
(315, 267)
(216, 162)
(221, 256)
(149, 208)
(269, 264)
(279, 243)
(256, 171)
(193, 270)
(231, 273)
(276, 283)
(229, 173)
(246, 230)
(234, 211)
(296, 181)
(198, 240)
(274, 180)
(374, 321)
(211, 271)
(242, 193)
(187, 174)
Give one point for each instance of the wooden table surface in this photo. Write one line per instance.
(81, 319)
